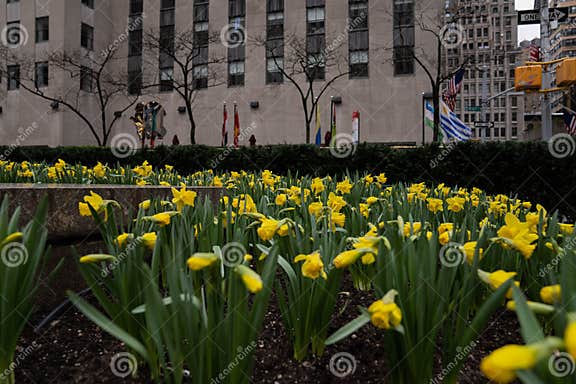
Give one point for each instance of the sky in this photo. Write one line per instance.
(527, 32)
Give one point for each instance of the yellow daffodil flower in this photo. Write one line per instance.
(313, 266)
(251, 279)
(501, 365)
(551, 294)
(199, 261)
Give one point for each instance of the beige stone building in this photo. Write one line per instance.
(387, 86)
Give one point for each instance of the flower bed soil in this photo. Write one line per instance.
(73, 350)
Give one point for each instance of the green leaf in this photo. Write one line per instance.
(348, 329)
(529, 325)
(107, 325)
(528, 377)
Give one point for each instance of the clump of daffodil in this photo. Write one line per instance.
(183, 198)
(97, 203)
(270, 227)
(501, 365)
(385, 314)
(497, 278)
(251, 279)
(313, 267)
(365, 247)
(162, 219)
(518, 235)
(199, 261)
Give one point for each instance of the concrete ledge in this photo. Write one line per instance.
(64, 221)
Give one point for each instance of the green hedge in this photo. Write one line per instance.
(525, 169)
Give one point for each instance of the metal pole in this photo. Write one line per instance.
(546, 75)
(423, 120)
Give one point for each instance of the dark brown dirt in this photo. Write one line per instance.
(73, 350)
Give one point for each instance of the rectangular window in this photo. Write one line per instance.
(316, 38)
(274, 41)
(201, 44)
(135, 46)
(358, 38)
(86, 83)
(200, 76)
(41, 74)
(136, 6)
(403, 37)
(237, 46)
(88, 3)
(13, 77)
(42, 33)
(87, 37)
(236, 73)
(167, 35)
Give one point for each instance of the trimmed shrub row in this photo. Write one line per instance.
(526, 169)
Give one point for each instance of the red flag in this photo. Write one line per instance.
(534, 52)
(224, 129)
(236, 126)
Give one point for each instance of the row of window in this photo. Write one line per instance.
(41, 78)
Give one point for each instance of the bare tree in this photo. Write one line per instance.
(193, 68)
(90, 74)
(446, 33)
(311, 74)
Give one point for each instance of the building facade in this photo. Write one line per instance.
(489, 44)
(375, 39)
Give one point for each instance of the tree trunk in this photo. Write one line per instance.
(192, 123)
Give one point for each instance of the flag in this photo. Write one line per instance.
(429, 114)
(570, 122)
(454, 87)
(356, 127)
(224, 128)
(534, 52)
(236, 126)
(318, 126)
(333, 118)
(452, 126)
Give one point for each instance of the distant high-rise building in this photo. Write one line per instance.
(490, 47)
